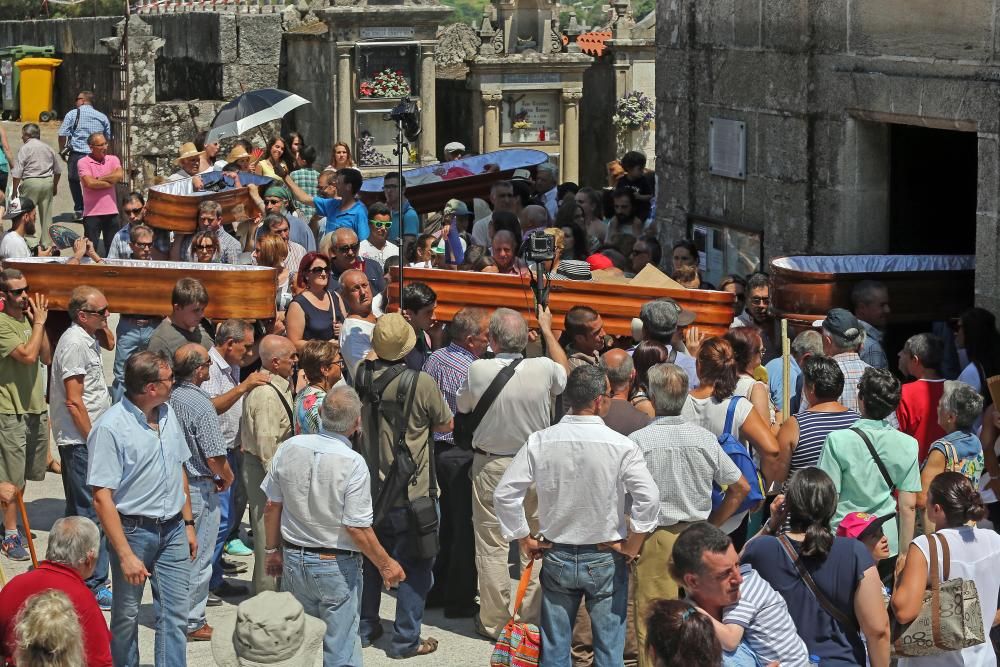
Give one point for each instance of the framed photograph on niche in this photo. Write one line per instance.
(387, 70)
(529, 117)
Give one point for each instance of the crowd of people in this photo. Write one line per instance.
(682, 511)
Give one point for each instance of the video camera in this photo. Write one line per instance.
(538, 248)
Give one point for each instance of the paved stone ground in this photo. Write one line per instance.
(459, 644)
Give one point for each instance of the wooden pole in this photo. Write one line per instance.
(27, 527)
(786, 371)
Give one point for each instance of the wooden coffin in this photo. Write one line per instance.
(179, 213)
(133, 286)
(429, 188)
(922, 288)
(617, 304)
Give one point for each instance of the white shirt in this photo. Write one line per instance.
(481, 231)
(522, 407)
(355, 342)
(550, 203)
(368, 251)
(582, 471)
(76, 353)
(13, 246)
(324, 488)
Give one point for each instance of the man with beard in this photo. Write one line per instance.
(624, 222)
(584, 336)
(758, 314)
(22, 213)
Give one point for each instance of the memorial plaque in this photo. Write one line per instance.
(529, 117)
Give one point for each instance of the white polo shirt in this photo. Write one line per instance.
(76, 353)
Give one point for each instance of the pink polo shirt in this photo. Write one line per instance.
(98, 202)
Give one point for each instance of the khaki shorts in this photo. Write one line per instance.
(24, 443)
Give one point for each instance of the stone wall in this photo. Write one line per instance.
(817, 84)
(309, 63)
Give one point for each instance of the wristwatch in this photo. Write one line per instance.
(188, 522)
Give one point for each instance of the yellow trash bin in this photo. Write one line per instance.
(37, 78)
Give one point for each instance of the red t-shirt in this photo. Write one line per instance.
(49, 575)
(917, 413)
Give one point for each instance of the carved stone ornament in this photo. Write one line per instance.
(498, 42)
(555, 40)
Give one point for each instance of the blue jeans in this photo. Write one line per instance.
(393, 534)
(80, 502)
(743, 656)
(163, 549)
(601, 577)
(329, 588)
(130, 338)
(205, 509)
(228, 510)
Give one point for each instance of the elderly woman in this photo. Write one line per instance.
(321, 362)
(960, 450)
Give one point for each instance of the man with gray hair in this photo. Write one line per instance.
(534, 218)
(69, 560)
(917, 413)
(209, 220)
(521, 408)
(805, 345)
(842, 338)
(36, 175)
(870, 302)
(315, 534)
(685, 460)
(662, 320)
(546, 190)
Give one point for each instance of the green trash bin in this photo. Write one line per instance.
(10, 76)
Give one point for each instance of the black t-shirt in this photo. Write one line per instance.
(644, 185)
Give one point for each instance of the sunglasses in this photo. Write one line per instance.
(379, 224)
(103, 311)
(318, 270)
(139, 244)
(133, 211)
(205, 246)
(19, 291)
(274, 201)
(349, 248)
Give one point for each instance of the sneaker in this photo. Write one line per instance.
(104, 598)
(231, 567)
(14, 549)
(237, 548)
(213, 600)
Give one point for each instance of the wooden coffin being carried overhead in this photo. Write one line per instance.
(616, 303)
(134, 286)
(922, 288)
(179, 213)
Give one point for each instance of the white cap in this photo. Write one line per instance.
(454, 147)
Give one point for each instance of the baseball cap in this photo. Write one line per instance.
(661, 317)
(841, 322)
(598, 261)
(456, 207)
(454, 147)
(857, 524)
(19, 206)
(521, 175)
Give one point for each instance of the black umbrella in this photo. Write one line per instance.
(250, 110)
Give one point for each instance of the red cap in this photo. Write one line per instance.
(599, 261)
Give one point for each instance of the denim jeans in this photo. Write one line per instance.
(205, 509)
(743, 656)
(329, 588)
(129, 339)
(80, 502)
(393, 534)
(163, 549)
(96, 226)
(601, 578)
(229, 514)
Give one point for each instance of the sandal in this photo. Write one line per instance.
(427, 646)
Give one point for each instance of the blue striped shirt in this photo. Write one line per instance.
(813, 429)
(768, 627)
(91, 121)
(449, 367)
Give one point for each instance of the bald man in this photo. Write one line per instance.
(341, 246)
(623, 416)
(356, 331)
(265, 424)
(532, 218)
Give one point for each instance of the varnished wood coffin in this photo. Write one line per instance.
(617, 304)
(922, 288)
(179, 213)
(145, 288)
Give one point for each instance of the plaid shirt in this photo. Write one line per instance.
(120, 248)
(871, 351)
(308, 180)
(449, 367)
(91, 121)
(853, 368)
(201, 428)
(221, 378)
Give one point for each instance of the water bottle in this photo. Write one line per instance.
(813, 661)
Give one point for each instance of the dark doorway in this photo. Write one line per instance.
(932, 190)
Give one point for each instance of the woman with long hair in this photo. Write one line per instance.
(841, 568)
(571, 219)
(272, 250)
(953, 507)
(323, 367)
(748, 346)
(294, 145)
(594, 223)
(340, 157)
(977, 337)
(707, 406)
(204, 247)
(420, 254)
(647, 354)
(275, 162)
(314, 313)
(48, 633)
(208, 161)
(678, 635)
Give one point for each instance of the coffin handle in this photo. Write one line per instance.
(110, 274)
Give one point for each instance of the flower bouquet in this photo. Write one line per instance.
(387, 83)
(633, 111)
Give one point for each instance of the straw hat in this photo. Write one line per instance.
(393, 337)
(187, 150)
(270, 629)
(238, 153)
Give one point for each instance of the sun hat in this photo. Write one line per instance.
(18, 206)
(188, 150)
(393, 337)
(661, 317)
(857, 524)
(270, 629)
(238, 153)
(456, 207)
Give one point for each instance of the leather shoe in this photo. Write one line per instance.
(229, 590)
(202, 634)
(213, 601)
(373, 637)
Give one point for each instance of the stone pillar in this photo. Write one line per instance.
(428, 113)
(570, 162)
(345, 95)
(491, 121)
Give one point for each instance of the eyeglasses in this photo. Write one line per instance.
(18, 292)
(103, 311)
(140, 244)
(133, 211)
(207, 364)
(348, 248)
(205, 246)
(318, 270)
(168, 380)
(761, 300)
(381, 224)
(274, 201)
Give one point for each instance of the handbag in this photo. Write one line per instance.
(466, 423)
(951, 617)
(68, 148)
(519, 644)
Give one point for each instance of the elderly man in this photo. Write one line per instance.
(758, 314)
(342, 247)
(188, 301)
(646, 251)
(277, 224)
(209, 220)
(344, 210)
(24, 420)
(36, 175)
(78, 395)
(134, 207)
(842, 338)
(393, 393)
(684, 460)
(522, 407)
(706, 565)
(455, 568)
(77, 127)
(208, 473)
(277, 199)
(661, 322)
(70, 558)
(870, 302)
(805, 345)
(534, 218)
(99, 174)
(502, 198)
(234, 349)
(622, 416)
(377, 247)
(136, 468)
(546, 182)
(357, 328)
(582, 471)
(266, 423)
(504, 251)
(319, 532)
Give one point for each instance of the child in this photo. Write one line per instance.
(868, 529)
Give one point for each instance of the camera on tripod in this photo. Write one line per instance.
(407, 113)
(539, 248)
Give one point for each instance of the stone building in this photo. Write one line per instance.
(843, 126)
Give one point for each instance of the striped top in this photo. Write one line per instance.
(813, 429)
(449, 367)
(768, 627)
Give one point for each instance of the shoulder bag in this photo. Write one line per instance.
(520, 644)
(950, 618)
(878, 459)
(68, 148)
(466, 423)
(284, 403)
(845, 621)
